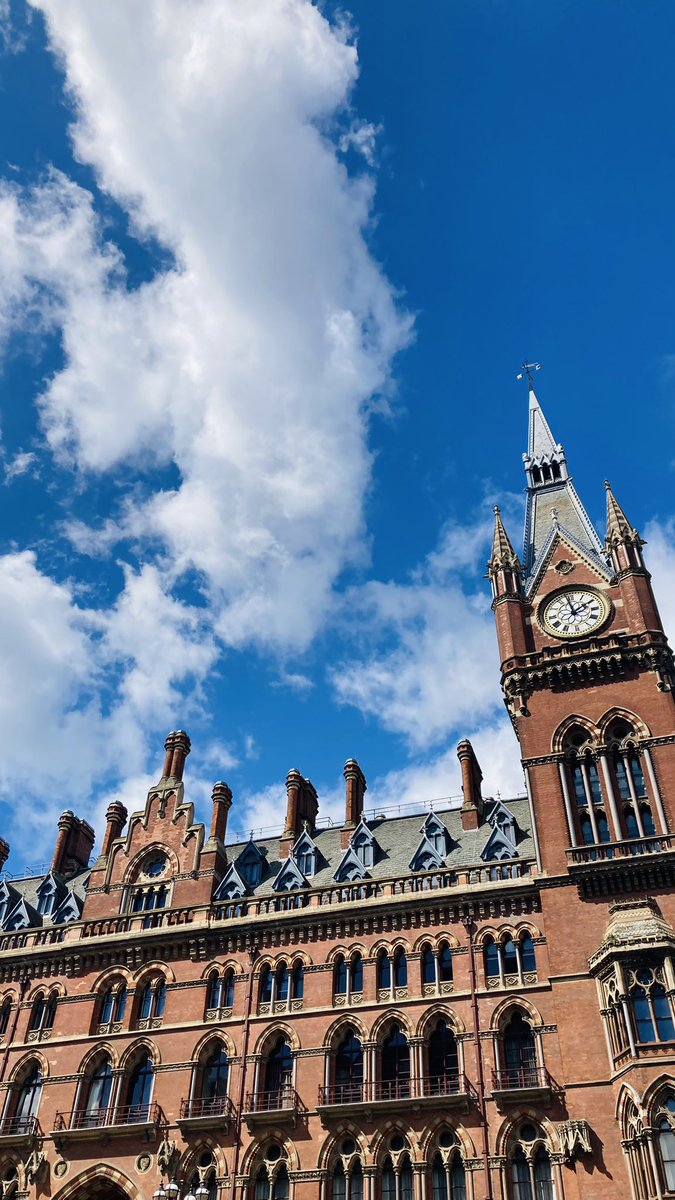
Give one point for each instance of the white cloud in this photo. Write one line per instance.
(429, 661)
(251, 361)
(19, 465)
(660, 558)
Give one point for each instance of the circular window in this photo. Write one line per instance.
(273, 1152)
(206, 1159)
(528, 1133)
(397, 1142)
(348, 1146)
(155, 866)
(446, 1138)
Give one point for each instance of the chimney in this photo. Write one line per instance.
(222, 803)
(116, 817)
(356, 787)
(472, 808)
(4, 852)
(73, 845)
(302, 806)
(177, 746)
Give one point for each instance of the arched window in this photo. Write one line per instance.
(356, 971)
(139, 1090)
(266, 984)
(448, 1177)
(664, 1123)
(149, 900)
(220, 991)
(5, 1010)
(527, 954)
(395, 1065)
(298, 981)
(443, 1061)
(383, 971)
(270, 1186)
(530, 1169)
(428, 965)
(510, 957)
(282, 981)
(400, 968)
(445, 968)
(630, 780)
(94, 1111)
(203, 1183)
(492, 959)
(278, 1074)
(506, 962)
(215, 1074)
(24, 1103)
(340, 976)
(113, 1003)
(519, 1065)
(152, 1001)
(348, 1070)
(652, 1012)
(397, 1176)
(585, 787)
(43, 1013)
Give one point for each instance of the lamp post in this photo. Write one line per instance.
(173, 1191)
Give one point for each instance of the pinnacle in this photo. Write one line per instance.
(541, 440)
(619, 528)
(503, 554)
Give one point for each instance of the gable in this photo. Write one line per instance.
(231, 886)
(289, 877)
(69, 910)
(426, 857)
(350, 867)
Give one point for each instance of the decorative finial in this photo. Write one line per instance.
(527, 370)
(608, 485)
(497, 510)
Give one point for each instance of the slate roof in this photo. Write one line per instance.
(27, 889)
(396, 838)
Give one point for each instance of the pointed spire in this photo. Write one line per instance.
(619, 528)
(541, 441)
(503, 554)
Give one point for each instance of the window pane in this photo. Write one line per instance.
(594, 781)
(527, 953)
(383, 971)
(643, 1017)
(491, 959)
(438, 1179)
(340, 977)
(357, 973)
(262, 1187)
(510, 957)
(339, 1182)
(543, 1176)
(579, 788)
(445, 963)
(406, 1181)
(603, 827)
(522, 1189)
(457, 1180)
(667, 1148)
(622, 778)
(664, 1017)
(400, 968)
(265, 985)
(631, 822)
(638, 777)
(388, 1182)
(648, 822)
(282, 983)
(356, 1182)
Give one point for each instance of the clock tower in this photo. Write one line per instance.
(587, 675)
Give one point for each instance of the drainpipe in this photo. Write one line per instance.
(253, 955)
(23, 984)
(468, 924)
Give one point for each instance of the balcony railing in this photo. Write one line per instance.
(278, 1100)
(520, 1079)
(201, 1108)
(124, 1115)
(19, 1127)
(629, 848)
(383, 1091)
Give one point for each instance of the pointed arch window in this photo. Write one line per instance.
(510, 962)
(152, 1001)
(5, 1011)
(220, 990)
(113, 1005)
(95, 1110)
(215, 1074)
(348, 1070)
(139, 1089)
(448, 1177)
(519, 1068)
(24, 1103)
(400, 968)
(651, 1006)
(271, 1186)
(278, 1074)
(384, 971)
(43, 1014)
(347, 1181)
(395, 1065)
(437, 968)
(443, 1060)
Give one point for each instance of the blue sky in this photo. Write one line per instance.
(267, 275)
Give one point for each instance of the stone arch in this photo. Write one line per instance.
(133, 866)
(435, 939)
(29, 1057)
(391, 1017)
(377, 948)
(629, 1096)
(156, 967)
(103, 1174)
(379, 1145)
(345, 1128)
(510, 1005)
(558, 739)
(652, 1093)
(510, 1123)
(642, 730)
(269, 1036)
(191, 1154)
(228, 964)
(341, 1024)
(95, 1053)
(210, 1038)
(109, 976)
(46, 988)
(439, 1012)
(256, 1150)
(467, 1148)
(133, 1051)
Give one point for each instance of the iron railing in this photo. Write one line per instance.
(450, 1084)
(97, 1118)
(275, 1101)
(516, 1079)
(629, 848)
(206, 1106)
(19, 1126)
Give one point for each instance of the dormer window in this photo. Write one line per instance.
(306, 854)
(250, 865)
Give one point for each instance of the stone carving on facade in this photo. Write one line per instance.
(575, 1138)
(167, 1156)
(35, 1166)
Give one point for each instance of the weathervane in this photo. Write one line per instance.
(528, 368)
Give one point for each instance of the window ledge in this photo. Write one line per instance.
(149, 1023)
(218, 1014)
(511, 981)
(39, 1035)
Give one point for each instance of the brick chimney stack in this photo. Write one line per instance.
(177, 746)
(116, 819)
(355, 790)
(302, 805)
(222, 803)
(74, 844)
(4, 852)
(472, 776)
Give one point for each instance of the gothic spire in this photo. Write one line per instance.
(623, 542)
(504, 568)
(552, 500)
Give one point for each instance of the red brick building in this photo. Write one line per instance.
(453, 1005)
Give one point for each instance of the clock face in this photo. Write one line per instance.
(574, 613)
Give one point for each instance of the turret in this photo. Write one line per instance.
(624, 548)
(505, 573)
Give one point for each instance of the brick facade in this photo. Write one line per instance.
(476, 1003)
